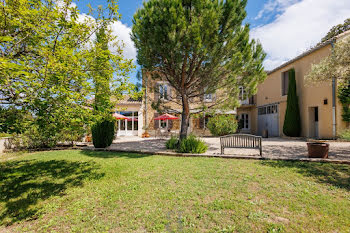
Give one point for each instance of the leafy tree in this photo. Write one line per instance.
(48, 60)
(198, 46)
(336, 65)
(336, 30)
(292, 123)
(221, 125)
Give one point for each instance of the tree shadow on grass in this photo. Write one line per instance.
(337, 175)
(111, 154)
(25, 183)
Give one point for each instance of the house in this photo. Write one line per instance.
(156, 90)
(132, 109)
(320, 109)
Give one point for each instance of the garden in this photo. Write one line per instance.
(79, 191)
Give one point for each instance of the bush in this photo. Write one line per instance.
(292, 123)
(172, 143)
(221, 125)
(193, 145)
(103, 132)
(345, 135)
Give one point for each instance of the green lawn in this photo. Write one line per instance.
(65, 191)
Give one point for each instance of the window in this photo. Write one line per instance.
(163, 124)
(208, 97)
(285, 82)
(163, 91)
(245, 121)
(242, 94)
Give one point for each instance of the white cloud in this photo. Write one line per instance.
(123, 34)
(275, 6)
(298, 28)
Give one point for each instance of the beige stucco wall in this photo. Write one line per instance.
(310, 95)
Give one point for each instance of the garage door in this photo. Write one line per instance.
(268, 120)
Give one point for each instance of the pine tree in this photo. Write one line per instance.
(292, 124)
(198, 46)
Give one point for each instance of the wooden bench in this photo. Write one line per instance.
(241, 141)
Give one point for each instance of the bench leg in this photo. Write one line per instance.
(222, 150)
(261, 151)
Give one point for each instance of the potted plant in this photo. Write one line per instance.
(318, 149)
(145, 134)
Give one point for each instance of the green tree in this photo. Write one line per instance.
(292, 123)
(198, 46)
(48, 60)
(336, 30)
(336, 65)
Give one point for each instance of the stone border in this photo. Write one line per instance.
(175, 154)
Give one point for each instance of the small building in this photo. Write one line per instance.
(320, 109)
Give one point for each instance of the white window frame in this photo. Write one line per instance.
(166, 124)
(246, 121)
(163, 95)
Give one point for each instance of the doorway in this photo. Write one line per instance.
(314, 122)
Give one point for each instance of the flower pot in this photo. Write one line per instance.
(145, 135)
(318, 150)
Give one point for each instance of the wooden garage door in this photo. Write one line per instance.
(268, 120)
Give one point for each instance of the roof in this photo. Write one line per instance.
(321, 45)
(129, 101)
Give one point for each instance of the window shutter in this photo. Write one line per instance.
(214, 97)
(170, 124)
(156, 122)
(201, 122)
(156, 92)
(169, 93)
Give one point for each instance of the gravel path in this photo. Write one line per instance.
(272, 147)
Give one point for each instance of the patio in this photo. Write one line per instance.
(273, 148)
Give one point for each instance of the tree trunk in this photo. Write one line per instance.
(185, 117)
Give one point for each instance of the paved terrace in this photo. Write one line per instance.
(273, 148)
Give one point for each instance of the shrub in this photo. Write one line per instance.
(103, 132)
(193, 145)
(172, 143)
(345, 135)
(292, 124)
(221, 125)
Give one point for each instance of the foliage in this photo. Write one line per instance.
(12, 119)
(336, 30)
(172, 143)
(292, 122)
(4, 135)
(49, 67)
(220, 125)
(344, 98)
(192, 144)
(336, 65)
(345, 134)
(103, 132)
(198, 46)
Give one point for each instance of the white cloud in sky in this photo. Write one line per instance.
(275, 6)
(123, 34)
(299, 27)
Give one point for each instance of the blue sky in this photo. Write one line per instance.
(285, 28)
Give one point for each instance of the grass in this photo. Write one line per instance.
(77, 191)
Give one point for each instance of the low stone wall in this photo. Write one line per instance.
(5, 144)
